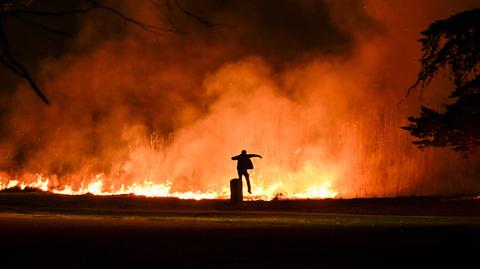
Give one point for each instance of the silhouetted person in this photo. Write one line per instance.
(243, 164)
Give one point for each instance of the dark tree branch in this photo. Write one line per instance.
(173, 5)
(92, 6)
(452, 46)
(40, 26)
(168, 14)
(17, 68)
(148, 27)
(12, 64)
(8, 8)
(190, 14)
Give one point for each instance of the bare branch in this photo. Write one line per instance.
(12, 64)
(95, 5)
(7, 58)
(40, 26)
(168, 14)
(17, 68)
(92, 6)
(410, 90)
(148, 27)
(198, 18)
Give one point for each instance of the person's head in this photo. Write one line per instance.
(244, 152)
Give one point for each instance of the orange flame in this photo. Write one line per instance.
(97, 186)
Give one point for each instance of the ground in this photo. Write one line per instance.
(129, 231)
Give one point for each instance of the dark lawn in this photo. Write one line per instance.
(88, 231)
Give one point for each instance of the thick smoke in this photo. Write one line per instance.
(313, 86)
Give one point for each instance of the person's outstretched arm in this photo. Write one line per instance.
(235, 157)
(254, 155)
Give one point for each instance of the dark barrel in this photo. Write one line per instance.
(236, 195)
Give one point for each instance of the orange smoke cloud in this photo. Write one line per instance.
(319, 103)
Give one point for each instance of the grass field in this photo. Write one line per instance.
(128, 231)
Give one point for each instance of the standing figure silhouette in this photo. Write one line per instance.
(243, 164)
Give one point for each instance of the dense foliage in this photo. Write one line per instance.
(452, 46)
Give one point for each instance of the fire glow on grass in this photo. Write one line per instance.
(96, 186)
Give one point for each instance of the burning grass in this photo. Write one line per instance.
(97, 186)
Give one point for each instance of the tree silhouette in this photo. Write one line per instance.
(21, 10)
(452, 46)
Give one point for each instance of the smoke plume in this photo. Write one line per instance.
(312, 86)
